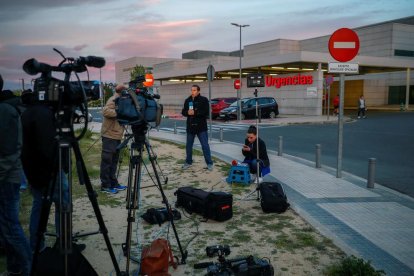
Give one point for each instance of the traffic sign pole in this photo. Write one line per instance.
(210, 77)
(340, 125)
(343, 46)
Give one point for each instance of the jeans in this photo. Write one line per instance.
(37, 195)
(361, 110)
(11, 232)
(203, 138)
(253, 166)
(109, 162)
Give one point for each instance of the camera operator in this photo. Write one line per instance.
(11, 232)
(112, 133)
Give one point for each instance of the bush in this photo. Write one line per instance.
(352, 266)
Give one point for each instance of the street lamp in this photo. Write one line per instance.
(240, 72)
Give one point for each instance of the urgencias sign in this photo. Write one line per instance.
(291, 80)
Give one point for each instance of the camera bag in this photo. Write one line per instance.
(211, 205)
(273, 197)
(219, 206)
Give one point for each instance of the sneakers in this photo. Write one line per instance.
(210, 167)
(260, 180)
(109, 190)
(185, 166)
(120, 187)
(252, 177)
(359, 117)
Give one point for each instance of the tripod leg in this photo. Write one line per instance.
(132, 198)
(165, 201)
(84, 180)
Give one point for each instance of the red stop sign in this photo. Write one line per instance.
(237, 84)
(344, 44)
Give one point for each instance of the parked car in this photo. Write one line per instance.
(267, 108)
(79, 117)
(218, 104)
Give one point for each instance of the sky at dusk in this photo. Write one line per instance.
(119, 29)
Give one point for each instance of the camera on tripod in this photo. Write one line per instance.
(52, 91)
(242, 266)
(137, 106)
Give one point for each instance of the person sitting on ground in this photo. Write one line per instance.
(249, 151)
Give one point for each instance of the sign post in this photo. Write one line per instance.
(343, 46)
(210, 76)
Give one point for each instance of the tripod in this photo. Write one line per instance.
(257, 151)
(134, 180)
(66, 141)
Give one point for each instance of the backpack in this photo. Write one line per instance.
(273, 198)
(156, 258)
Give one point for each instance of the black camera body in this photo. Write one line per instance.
(243, 266)
(51, 90)
(217, 250)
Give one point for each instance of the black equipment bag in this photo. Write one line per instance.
(211, 205)
(51, 262)
(160, 215)
(273, 198)
(219, 206)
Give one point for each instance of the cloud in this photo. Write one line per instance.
(155, 39)
(80, 47)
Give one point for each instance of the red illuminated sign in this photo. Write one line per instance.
(237, 84)
(278, 82)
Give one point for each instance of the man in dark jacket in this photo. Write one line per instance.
(11, 232)
(249, 151)
(196, 109)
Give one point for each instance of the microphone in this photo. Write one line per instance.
(93, 61)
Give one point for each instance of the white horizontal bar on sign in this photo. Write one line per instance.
(344, 45)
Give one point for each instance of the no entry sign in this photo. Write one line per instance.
(344, 44)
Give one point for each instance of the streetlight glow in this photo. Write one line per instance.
(240, 71)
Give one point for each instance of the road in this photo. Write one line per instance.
(386, 136)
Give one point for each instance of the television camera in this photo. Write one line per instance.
(242, 266)
(136, 106)
(53, 91)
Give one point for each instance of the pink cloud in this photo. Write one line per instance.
(153, 39)
(80, 47)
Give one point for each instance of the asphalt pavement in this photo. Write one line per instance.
(376, 224)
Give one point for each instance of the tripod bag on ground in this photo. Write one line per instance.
(273, 198)
(211, 205)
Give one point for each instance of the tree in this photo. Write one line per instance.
(138, 70)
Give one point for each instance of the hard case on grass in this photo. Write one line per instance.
(211, 205)
(273, 197)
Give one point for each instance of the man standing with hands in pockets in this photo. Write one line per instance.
(196, 109)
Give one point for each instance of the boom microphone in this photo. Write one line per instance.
(93, 61)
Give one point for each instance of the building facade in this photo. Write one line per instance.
(295, 71)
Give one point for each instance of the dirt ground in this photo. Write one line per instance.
(290, 243)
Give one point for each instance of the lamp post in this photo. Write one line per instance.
(240, 71)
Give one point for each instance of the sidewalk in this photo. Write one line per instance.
(375, 224)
